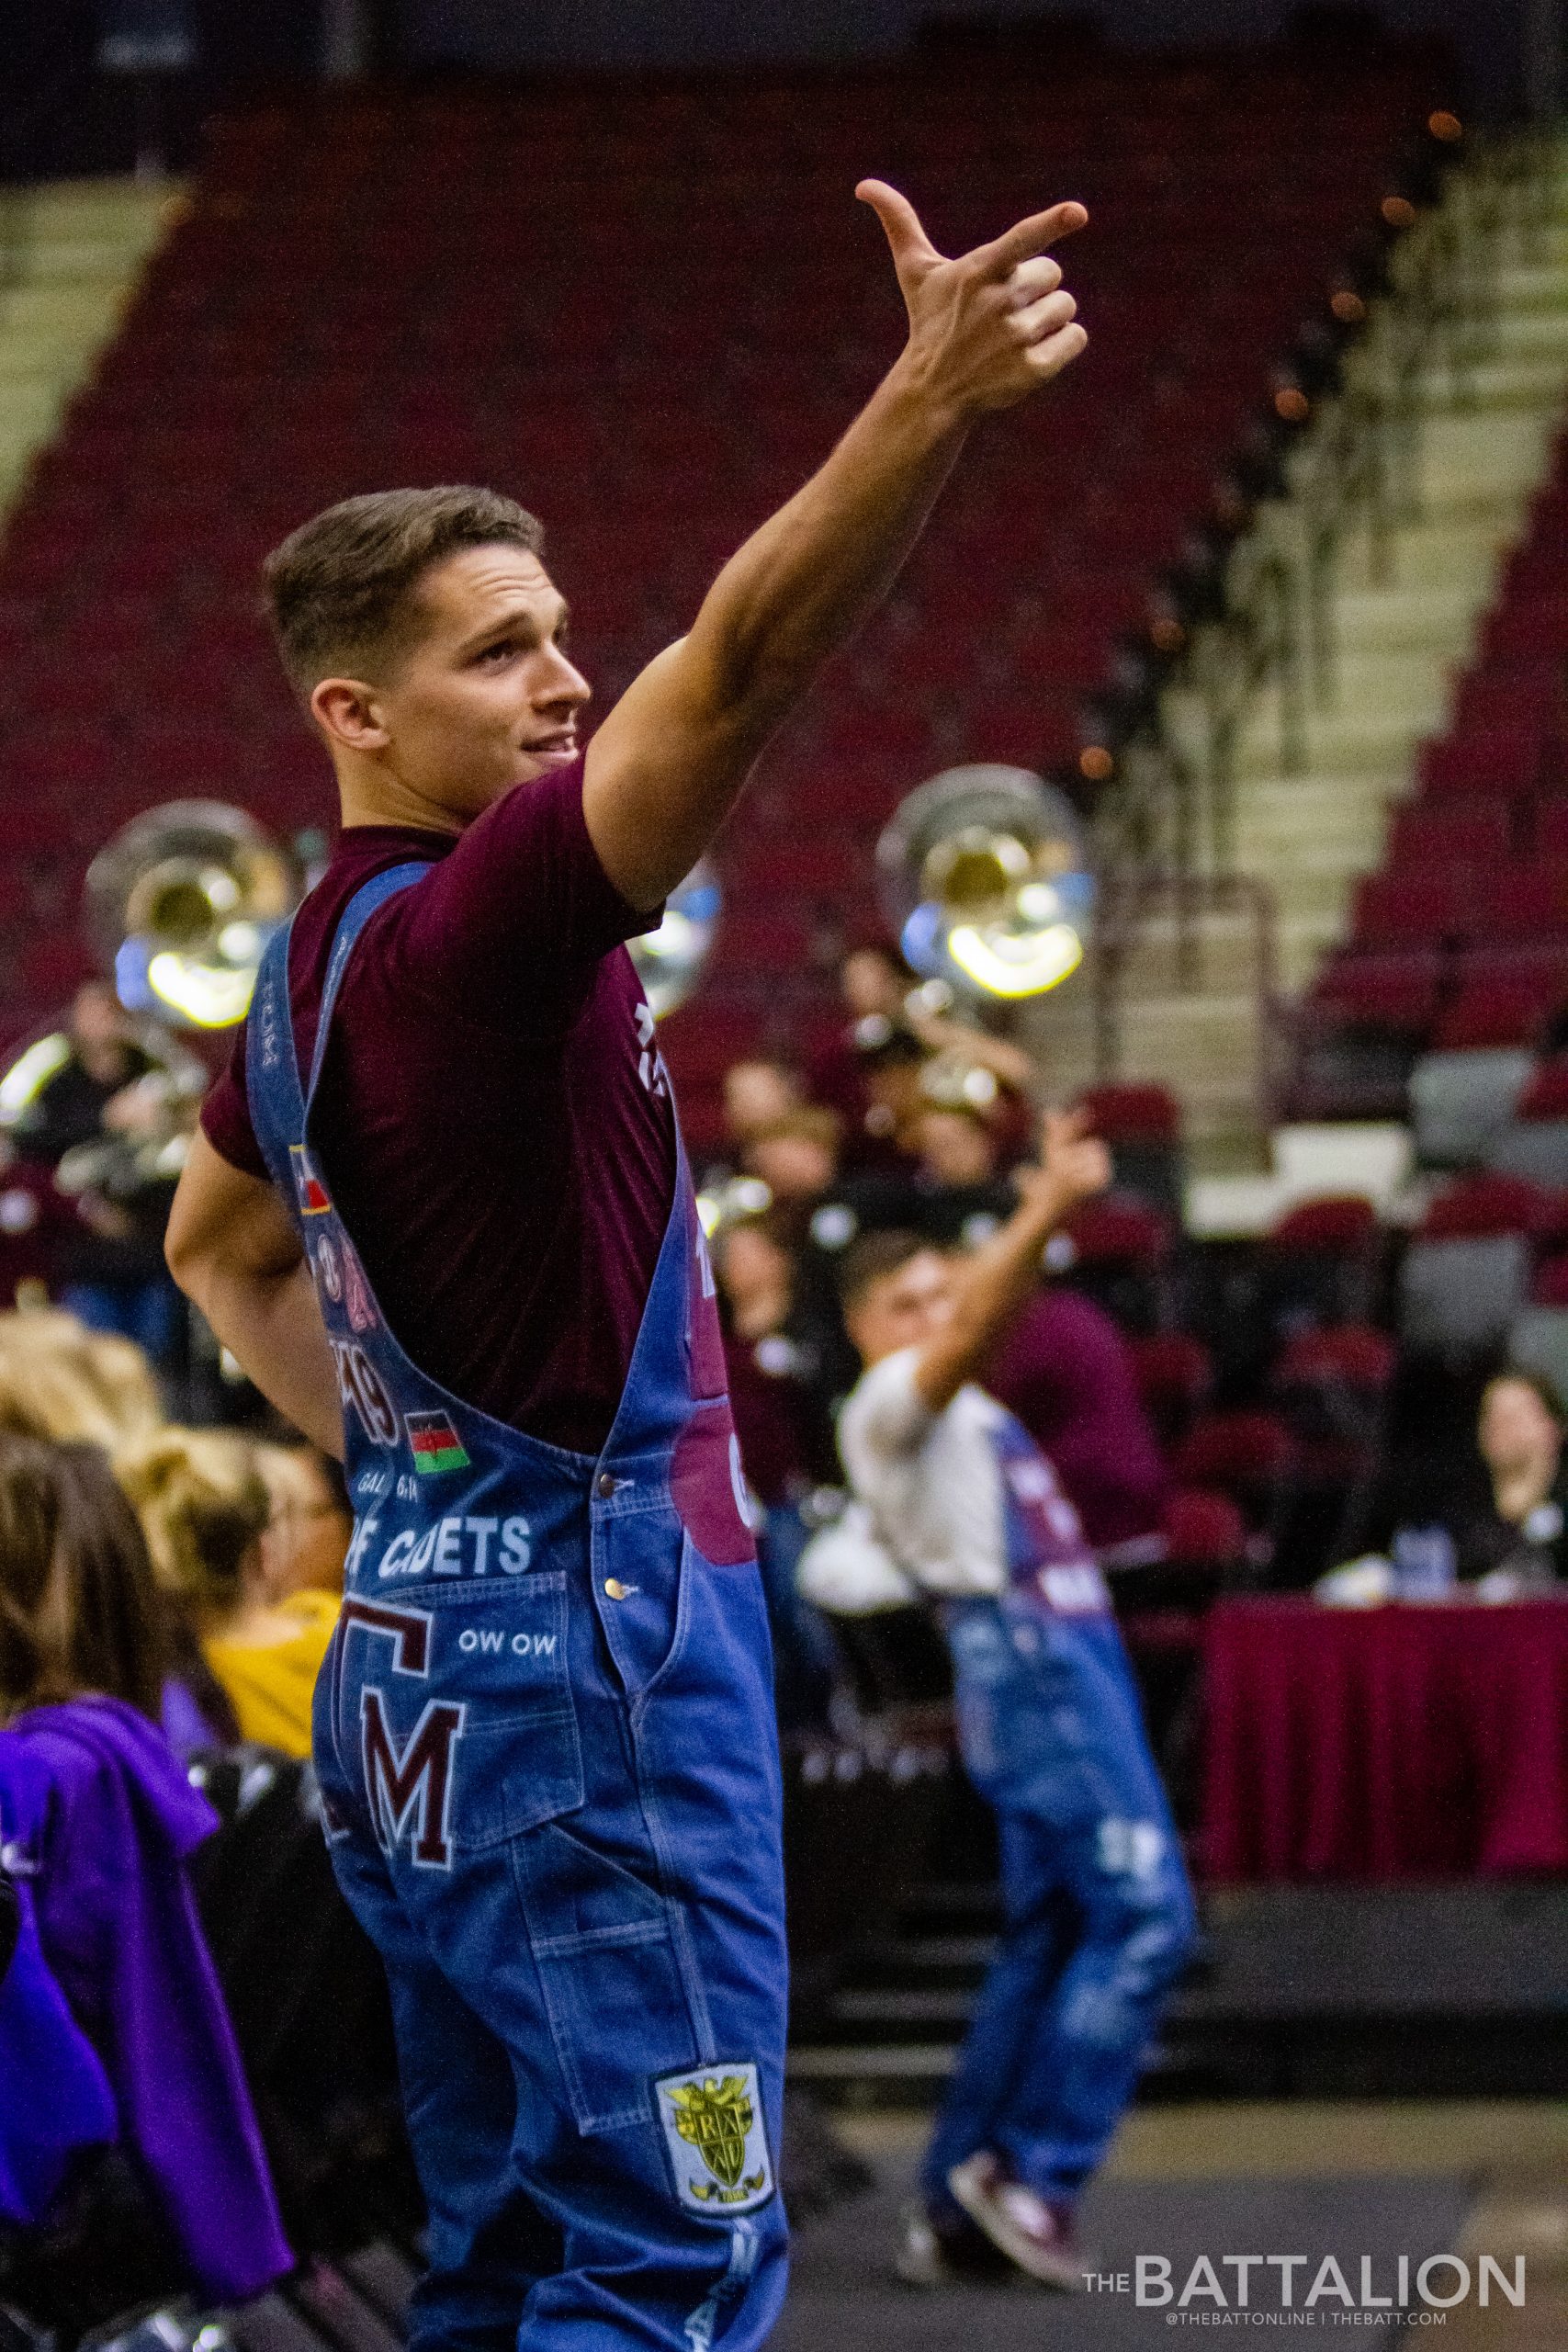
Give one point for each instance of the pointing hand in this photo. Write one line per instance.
(990, 327)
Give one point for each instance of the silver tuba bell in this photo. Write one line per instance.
(180, 904)
(984, 874)
(670, 960)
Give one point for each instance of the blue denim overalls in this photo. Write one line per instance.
(1099, 1916)
(545, 1743)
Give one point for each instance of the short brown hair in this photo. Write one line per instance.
(340, 588)
(78, 1608)
(872, 1258)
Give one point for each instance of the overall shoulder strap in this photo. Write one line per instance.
(279, 1105)
(355, 915)
(272, 1069)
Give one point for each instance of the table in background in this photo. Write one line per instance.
(1404, 1742)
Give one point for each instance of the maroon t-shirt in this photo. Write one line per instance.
(494, 1120)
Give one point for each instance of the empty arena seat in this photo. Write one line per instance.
(1357, 1356)
(1202, 1529)
(1532, 628)
(1486, 1204)
(1459, 1295)
(1538, 1342)
(1501, 998)
(1474, 834)
(1249, 1454)
(1504, 760)
(1339, 1224)
(1142, 1123)
(1395, 993)
(1467, 1272)
(1120, 1251)
(1459, 1102)
(1525, 900)
(1500, 692)
(1405, 908)
(1175, 1374)
(1321, 1261)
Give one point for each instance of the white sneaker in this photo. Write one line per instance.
(919, 2261)
(1035, 2235)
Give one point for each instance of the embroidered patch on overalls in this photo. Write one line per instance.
(717, 2138)
(309, 1190)
(434, 1442)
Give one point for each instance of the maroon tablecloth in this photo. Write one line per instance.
(1406, 1742)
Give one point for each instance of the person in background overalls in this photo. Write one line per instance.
(1099, 1919)
(440, 1214)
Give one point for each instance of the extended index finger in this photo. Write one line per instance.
(1067, 1126)
(1031, 236)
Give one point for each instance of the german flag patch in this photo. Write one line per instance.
(435, 1444)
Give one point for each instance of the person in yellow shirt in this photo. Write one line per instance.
(205, 1511)
(308, 1536)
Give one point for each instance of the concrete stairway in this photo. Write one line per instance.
(1400, 635)
(70, 255)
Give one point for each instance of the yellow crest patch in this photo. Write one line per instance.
(717, 2143)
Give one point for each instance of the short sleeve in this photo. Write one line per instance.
(510, 918)
(885, 1416)
(226, 1116)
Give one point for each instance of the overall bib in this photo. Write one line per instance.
(1099, 1917)
(545, 1744)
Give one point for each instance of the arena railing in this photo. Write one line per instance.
(1130, 899)
(1166, 835)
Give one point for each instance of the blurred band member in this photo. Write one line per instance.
(1099, 1917)
(757, 1093)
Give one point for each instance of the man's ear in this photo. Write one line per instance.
(349, 713)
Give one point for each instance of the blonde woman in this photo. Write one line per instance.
(59, 1379)
(205, 1509)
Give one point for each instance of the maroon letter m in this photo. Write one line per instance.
(409, 1789)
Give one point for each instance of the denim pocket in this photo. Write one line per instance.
(462, 1709)
(608, 1948)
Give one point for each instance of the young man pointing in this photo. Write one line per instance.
(441, 1215)
(1099, 1918)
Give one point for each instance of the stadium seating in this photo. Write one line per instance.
(1474, 884)
(649, 318)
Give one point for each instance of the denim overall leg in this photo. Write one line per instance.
(1098, 1915)
(545, 1743)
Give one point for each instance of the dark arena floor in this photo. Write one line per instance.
(1353, 2181)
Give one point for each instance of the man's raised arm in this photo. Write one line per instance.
(992, 1283)
(986, 330)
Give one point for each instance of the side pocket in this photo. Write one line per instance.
(604, 1943)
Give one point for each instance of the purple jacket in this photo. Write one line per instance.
(97, 1820)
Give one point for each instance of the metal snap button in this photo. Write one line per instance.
(617, 1591)
(605, 1484)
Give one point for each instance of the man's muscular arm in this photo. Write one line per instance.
(232, 1248)
(985, 330)
(993, 1283)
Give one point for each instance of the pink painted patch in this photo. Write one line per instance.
(708, 1488)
